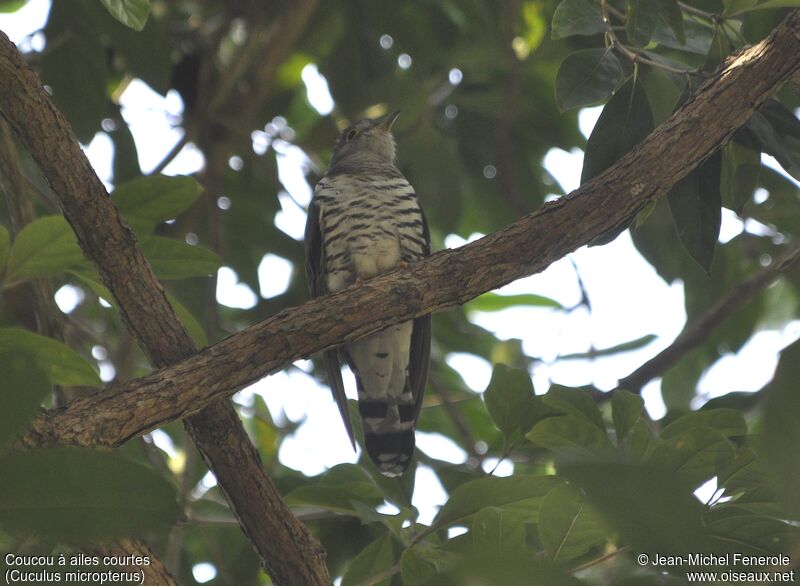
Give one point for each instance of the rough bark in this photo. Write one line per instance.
(722, 105)
(290, 553)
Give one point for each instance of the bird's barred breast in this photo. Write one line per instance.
(369, 224)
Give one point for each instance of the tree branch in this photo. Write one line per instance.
(290, 553)
(448, 278)
(694, 335)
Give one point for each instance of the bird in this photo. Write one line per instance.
(364, 220)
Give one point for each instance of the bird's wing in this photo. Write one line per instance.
(419, 357)
(315, 273)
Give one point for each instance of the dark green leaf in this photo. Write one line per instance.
(470, 565)
(575, 402)
(65, 366)
(511, 401)
(625, 495)
(25, 385)
(77, 496)
(777, 131)
(495, 302)
(772, 4)
(698, 36)
(146, 54)
(695, 202)
(671, 15)
(577, 17)
(568, 527)
(735, 6)
(494, 528)
(625, 121)
(741, 167)
(189, 321)
(570, 435)
(147, 201)
(337, 489)
(414, 569)
(522, 491)
(780, 436)
(729, 422)
(626, 412)
(374, 559)
(131, 13)
(641, 20)
(624, 347)
(718, 51)
(750, 534)
(44, 247)
(586, 77)
(173, 259)
(695, 456)
(5, 245)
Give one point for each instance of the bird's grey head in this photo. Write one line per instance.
(367, 143)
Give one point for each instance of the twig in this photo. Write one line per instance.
(698, 332)
(599, 560)
(378, 578)
(170, 156)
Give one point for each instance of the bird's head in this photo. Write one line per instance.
(367, 141)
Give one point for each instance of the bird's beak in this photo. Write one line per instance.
(388, 120)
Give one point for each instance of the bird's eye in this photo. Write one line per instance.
(351, 134)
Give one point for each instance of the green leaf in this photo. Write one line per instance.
(575, 402)
(779, 447)
(625, 495)
(150, 200)
(729, 422)
(414, 569)
(495, 302)
(189, 321)
(173, 259)
(131, 13)
(511, 401)
(641, 20)
(696, 39)
(5, 245)
(568, 527)
(586, 77)
(776, 131)
(626, 412)
(471, 565)
(750, 534)
(8, 6)
(624, 347)
(771, 4)
(65, 366)
(78, 495)
(625, 121)
(494, 528)
(741, 167)
(25, 385)
(736, 6)
(44, 247)
(696, 206)
(570, 435)
(577, 17)
(377, 557)
(337, 489)
(694, 456)
(522, 490)
(671, 15)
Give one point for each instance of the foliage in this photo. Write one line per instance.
(595, 482)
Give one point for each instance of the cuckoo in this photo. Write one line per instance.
(363, 220)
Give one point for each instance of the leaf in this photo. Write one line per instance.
(131, 13)
(624, 347)
(414, 569)
(189, 321)
(25, 385)
(511, 401)
(7, 6)
(568, 527)
(586, 77)
(78, 495)
(469, 498)
(337, 489)
(696, 205)
(373, 559)
(780, 436)
(649, 507)
(150, 200)
(575, 402)
(776, 130)
(750, 534)
(5, 245)
(44, 247)
(771, 4)
(696, 39)
(65, 366)
(626, 412)
(569, 435)
(494, 528)
(695, 456)
(625, 121)
(671, 15)
(641, 20)
(495, 302)
(741, 167)
(577, 17)
(173, 259)
(729, 422)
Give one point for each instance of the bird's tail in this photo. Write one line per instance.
(389, 431)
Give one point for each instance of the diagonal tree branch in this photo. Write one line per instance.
(290, 553)
(723, 104)
(697, 332)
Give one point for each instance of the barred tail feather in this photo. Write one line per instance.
(391, 451)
